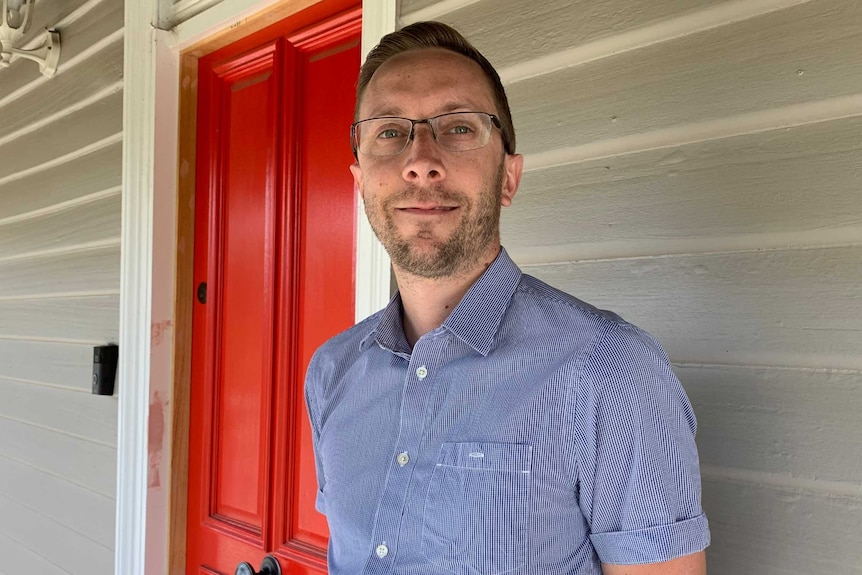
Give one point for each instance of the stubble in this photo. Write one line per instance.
(423, 255)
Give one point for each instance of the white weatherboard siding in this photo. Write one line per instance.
(696, 167)
(60, 166)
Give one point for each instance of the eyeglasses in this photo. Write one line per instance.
(456, 132)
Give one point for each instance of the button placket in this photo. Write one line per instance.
(398, 484)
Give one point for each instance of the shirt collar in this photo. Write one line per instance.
(476, 318)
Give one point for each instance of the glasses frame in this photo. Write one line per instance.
(354, 143)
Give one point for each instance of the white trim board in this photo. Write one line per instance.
(149, 187)
(136, 280)
(372, 261)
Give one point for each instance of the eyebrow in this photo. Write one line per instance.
(385, 112)
(394, 111)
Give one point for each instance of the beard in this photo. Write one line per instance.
(424, 256)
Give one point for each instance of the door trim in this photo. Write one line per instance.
(156, 274)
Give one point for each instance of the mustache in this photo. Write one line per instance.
(436, 193)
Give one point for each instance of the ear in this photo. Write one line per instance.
(357, 179)
(514, 165)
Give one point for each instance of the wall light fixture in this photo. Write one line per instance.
(14, 21)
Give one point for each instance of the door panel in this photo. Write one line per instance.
(274, 243)
(321, 285)
(243, 385)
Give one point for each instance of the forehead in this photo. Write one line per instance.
(426, 82)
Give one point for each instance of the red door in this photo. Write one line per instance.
(274, 246)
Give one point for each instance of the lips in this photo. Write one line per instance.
(430, 201)
(428, 210)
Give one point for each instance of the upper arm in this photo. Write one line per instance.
(639, 477)
(694, 564)
(312, 379)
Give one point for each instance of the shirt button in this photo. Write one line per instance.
(421, 372)
(403, 459)
(382, 550)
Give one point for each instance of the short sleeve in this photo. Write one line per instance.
(638, 472)
(312, 383)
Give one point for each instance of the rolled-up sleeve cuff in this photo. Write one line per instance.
(653, 544)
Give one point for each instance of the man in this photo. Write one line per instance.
(484, 422)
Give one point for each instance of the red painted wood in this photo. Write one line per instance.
(330, 98)
(275, 242)
(243, 351)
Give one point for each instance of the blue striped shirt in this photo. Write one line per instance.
(530, 433)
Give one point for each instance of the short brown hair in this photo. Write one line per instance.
(436, 35)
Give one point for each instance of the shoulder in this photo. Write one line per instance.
(342, 348)
(355, 334)
(553, 309)
(610, 345)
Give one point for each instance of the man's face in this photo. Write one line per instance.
(436, 212)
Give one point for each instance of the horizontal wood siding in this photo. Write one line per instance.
(55, 408)
(90, 319)
(546, 27)
(59, 185)
(61, 365)
(84, 267)
(60, 501)
(774, 530)
(758, 190)
(84, 223)
(78, 460)
(62, 141)
(721, 73)
(798, 427)
(60, 201)
(82, 35)
(796, 308)
(53, 541)
(19, 559)
(696, 167)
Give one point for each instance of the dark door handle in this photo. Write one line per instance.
(269, 566)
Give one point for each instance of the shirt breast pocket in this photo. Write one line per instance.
(477, 508)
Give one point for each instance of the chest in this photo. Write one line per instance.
(417, 405)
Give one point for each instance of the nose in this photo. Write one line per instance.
(423, 163)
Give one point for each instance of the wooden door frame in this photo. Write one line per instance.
(156, 268)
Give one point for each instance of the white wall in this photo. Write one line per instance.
(60, 164)
(695, 166)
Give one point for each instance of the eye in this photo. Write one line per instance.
(461, 125)
(389, 133)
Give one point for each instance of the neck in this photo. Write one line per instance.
(427, 302)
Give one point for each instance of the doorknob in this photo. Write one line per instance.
(269, 566)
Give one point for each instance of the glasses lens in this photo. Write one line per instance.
(457, 132)
(462, 131)
(382, 136)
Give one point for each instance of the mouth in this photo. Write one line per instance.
(428, 210)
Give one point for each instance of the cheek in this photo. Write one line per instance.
(381, 176)
(465, 175)
(379, 185)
